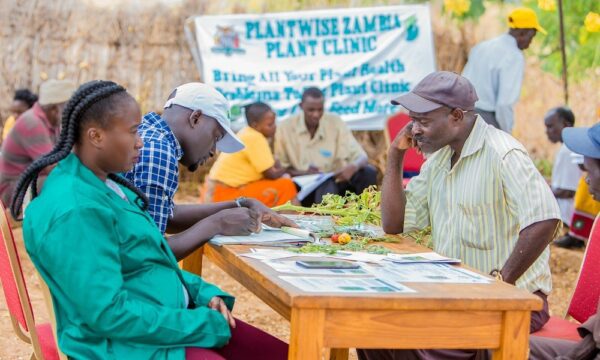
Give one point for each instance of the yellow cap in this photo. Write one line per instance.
(524, 18)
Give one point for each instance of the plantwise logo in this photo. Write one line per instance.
(227, 41)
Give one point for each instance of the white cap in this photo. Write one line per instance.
(199, 96)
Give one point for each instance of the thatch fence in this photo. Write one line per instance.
(141, 45)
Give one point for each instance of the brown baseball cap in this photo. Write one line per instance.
(440, 88)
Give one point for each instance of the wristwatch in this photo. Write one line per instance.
(497, 274)
(238, 201)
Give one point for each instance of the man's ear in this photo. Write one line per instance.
(96, 137)
(457, 115)
(194, 118)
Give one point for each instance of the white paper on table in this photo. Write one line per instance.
(345, 285)
(358, 256)
(426, 257)
(264, 237)
(308, 183)
(426, 273)
(274, 254)
(290, 267)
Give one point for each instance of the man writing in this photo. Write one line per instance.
(478, 190)
(195, 122)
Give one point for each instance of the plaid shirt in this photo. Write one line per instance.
(157, 171)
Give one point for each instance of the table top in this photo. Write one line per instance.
(264, 281)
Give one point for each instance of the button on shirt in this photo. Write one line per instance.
(496, 68)
(477, 209)
(157, 172)
(332, 147)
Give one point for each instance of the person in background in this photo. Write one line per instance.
(34, 134)
(496, 67)
(584, 141)
(252, 172)
(565, 174)
(314, 141)
(22, 101)
(585, 209)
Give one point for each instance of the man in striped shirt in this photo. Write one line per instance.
(479, 191)
(33, 135)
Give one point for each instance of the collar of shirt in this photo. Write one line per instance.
(301, 128)
(509, 40)
(40, 114)
(472, 145)
(72, 164)
(155, 122)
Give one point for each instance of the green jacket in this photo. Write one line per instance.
(116, 286)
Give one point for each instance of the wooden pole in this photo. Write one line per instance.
(563, 53)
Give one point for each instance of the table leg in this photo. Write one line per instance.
(514, 336)
(306, 338)
(339, 354)
(193, 262)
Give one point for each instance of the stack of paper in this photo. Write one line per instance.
(420, 258)
(262, 238)
(308, 183)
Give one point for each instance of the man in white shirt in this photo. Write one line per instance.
(495, 67)
(565, 173)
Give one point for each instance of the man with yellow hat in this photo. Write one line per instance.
(33, 135)
(495, 67)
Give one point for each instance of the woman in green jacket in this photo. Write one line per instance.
(117, 290)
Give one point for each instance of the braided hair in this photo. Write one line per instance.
(93, 101)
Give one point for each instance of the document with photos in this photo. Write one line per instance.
(426, 273)
(426, 257)
(344, 285)
(291, 267)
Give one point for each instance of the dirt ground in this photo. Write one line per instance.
(565, 266)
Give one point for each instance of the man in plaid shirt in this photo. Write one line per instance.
(195, 122)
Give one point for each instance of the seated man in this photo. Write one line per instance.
(565, 174)
(253, 171)
(483, 197)
(193, 125)
(585, 141)
(33, 135)
(313, 141)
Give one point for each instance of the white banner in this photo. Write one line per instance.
(361, 58)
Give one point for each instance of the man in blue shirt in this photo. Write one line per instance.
(496, 68)
(194, 124)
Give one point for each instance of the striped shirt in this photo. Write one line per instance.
(477, 209)
(31, 137)
(157, 172)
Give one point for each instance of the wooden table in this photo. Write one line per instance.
(443, 316)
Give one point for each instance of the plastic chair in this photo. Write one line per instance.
(584, 301)
(40, 336)
(412, 160)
